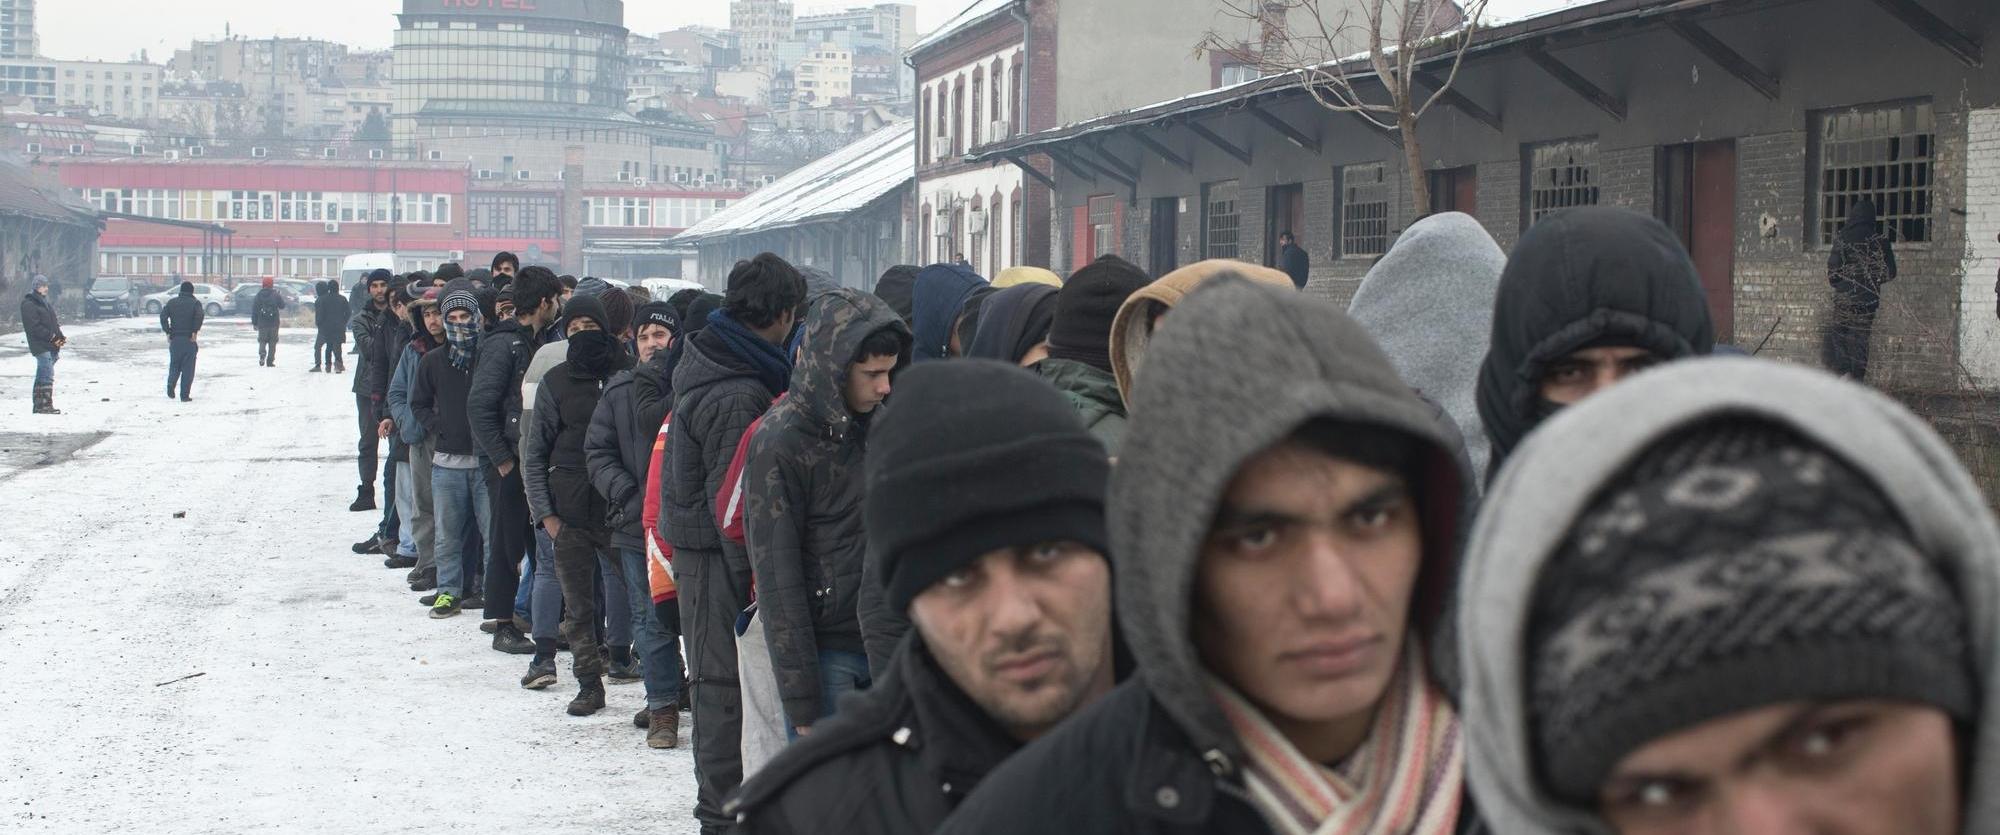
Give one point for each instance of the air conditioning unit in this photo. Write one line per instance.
(172, 154)
(729, 183)
(332, 227)
(138, 150)
(34, 147)
(455, 255)
(434, 156)
(708, 178)
(260, 152)
(997, 131)
(941, 222)
(624, 176)
(680, 177)
(329, 153)
(484, 174)
(374, 153)
(76, 150)
(196, 150)
(523, 175)
(639, 181)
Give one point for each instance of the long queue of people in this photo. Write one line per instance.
(1502, 547)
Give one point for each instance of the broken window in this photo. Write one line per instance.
(1880, 153)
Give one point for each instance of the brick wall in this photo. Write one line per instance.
(1979, 323)
(1500, 200)
(1626, 176)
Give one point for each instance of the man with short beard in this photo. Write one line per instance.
(1009, 591)
(365, 326)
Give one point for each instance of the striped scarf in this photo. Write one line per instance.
(1407, 778)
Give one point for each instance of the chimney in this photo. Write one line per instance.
(1271, 35)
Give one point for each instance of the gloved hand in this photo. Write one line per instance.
(668, 612)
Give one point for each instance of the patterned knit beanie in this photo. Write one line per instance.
(1734, 567)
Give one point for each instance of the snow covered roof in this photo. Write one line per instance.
(977, 12)
(839, 183)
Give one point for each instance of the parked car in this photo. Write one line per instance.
(245, 297)
(304, 293)
(111, 296)
(215, 301)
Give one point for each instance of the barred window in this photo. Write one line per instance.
(1561, 175)
(1364, 210)
(1220, 221)
(1883, 154)
(1102, 225)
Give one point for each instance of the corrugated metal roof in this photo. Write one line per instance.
(844, 181)
(978, 11)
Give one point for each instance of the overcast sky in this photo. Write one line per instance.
(118, 29)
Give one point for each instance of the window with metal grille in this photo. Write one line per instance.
(1221, 220)
(1364, 210)
(1883, 154)
(1561, 175)
(1102, 225)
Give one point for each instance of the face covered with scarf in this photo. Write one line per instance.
(461, 335)
(595, 353)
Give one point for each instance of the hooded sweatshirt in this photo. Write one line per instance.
(803, 492)
(895, 287)
(1862, 260)
(1198, 415)
(1429, 304)
(1583, 278)
(1554, 476)
(1132, 329)
(1013, 322)
(939, 297)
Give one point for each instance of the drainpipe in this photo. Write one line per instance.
(1018, 9)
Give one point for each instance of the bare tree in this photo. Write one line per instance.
(1309, 39)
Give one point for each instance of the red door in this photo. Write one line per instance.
(1712, 240)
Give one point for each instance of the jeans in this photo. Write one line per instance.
(577, 560)
(612, 598)
(545, 602)
(406, 510)
(45, 369)
(180, 364)
(840, 673)
(459, 499)
(330, 349)
(659, 650)
(392, 519)
(426, 519)
(525, 596)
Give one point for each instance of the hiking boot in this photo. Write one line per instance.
(364, 499)
(664, 728)
(475, 600)
(367, 545)
(589, 698)
(510, 640)
(423, 580)
(541, 674)
(625, 673)
(445, 606)
(399, 561)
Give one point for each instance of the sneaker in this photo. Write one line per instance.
(589, 699)
(400, 561)
(424, 580)
(625, 673)
(429, 600)
(541, 674)
(511, 641)
(445, 607)
(664, 728)
(367, 545)
(489, 626)
(474, 600)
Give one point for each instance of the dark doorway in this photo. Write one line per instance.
(1165, 255)
(1284, 210)
(1455, 190)
(1696, 197)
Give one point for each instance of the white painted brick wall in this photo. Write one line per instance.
(1979, 326)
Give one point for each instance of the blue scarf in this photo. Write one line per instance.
(772, 364)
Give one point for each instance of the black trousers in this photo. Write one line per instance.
(1846, 348)
(577, 561)
(267, 343)
(181, 351)
(713, 594)
(364, 412)
(507, 541)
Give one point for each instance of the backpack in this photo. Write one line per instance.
(659, 552)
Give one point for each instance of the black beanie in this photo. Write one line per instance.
(1734, 566)
(449, 270)
(698, 311)
(974, 456)
(657, 313)
(897, 286)
(1085, 307)
(581, 306)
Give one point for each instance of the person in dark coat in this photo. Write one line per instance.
(267, 310)
(458, 485)
(45, 343)
(1284, 523)
(897, 286)
(393, 536)
(618, 449)
(937, 302)
(1589, 297)
(1861, 262)
(181, 320)
(1014, 325)
(802, 500)
(1079, 362)
(330, 315)
(1293, 260)
(1010, 591)
(727, 378)
(368, 390)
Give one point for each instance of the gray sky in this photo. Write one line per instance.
(117, 29)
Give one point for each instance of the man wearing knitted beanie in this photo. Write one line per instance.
(1733, 597)
(438, 398)
(991, 537)
(1079, 363)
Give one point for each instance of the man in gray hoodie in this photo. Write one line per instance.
(1734, 597)
(1283, 523)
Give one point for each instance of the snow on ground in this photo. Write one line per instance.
(327, 700)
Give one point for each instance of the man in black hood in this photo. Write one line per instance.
(1589, 297)
(330, 316)
(1009, 589)
(369, 387)
(181, 320)
(266, 313)
(896, 287)
(1860, 263)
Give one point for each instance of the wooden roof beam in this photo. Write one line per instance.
(1729, 59)
(1459, 101)
(1162, 151)
(1227, 147)
(1577, 84)
(1284, 128)
(1021, 162)
(1934, 29)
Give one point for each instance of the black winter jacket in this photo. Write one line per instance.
(1294, 261)
(182, 316)
(717, 396)
(618, 449)
(391, 338)
(268, 309)
(802, 500)
(330, 315)
(895, 761)
(38, 321)
(504, 353)
(437, 397)
(366, 327)
(555, 467)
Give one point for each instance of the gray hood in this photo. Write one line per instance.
(1429, 304)
(1236, 369)
(1554, 474)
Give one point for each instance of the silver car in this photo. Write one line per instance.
(215, 301)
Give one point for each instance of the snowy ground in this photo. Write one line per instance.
(327, 700)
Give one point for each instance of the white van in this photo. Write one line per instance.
(663, 288)
(354, 267)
